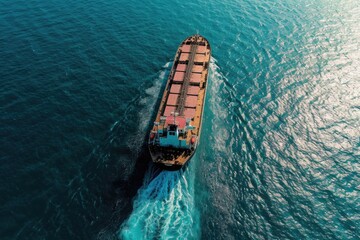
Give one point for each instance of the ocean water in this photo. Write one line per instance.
(279, 156)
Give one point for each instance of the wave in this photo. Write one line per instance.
(164, 208)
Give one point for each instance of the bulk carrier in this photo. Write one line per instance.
(176, 131)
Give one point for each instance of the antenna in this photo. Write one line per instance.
(175, 114)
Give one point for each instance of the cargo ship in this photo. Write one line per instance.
(175, 134)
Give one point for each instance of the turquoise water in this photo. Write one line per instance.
(280, 146)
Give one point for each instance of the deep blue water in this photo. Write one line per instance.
(280, 149)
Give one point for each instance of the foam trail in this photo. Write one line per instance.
(216, 78)
(164, 208)
(217, 82)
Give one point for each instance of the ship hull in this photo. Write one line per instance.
(175, 135)
(170, 167)
(173, 167)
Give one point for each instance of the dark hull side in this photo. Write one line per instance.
(175, 167)
(169, 168)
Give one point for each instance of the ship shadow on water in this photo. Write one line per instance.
(120, 185)
(132, 169)
(122, 171)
